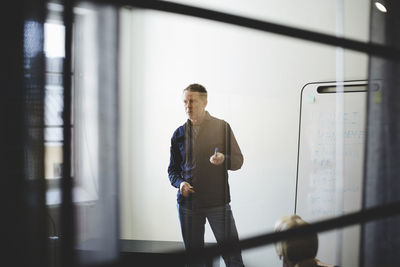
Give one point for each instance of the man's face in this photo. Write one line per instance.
(195, 105)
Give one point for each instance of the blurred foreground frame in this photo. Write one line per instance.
(23, 191)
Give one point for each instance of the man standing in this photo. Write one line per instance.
(202, 152)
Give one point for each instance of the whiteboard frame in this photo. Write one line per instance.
(345, 84)
(344, 87)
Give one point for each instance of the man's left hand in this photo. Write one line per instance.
(217, 158)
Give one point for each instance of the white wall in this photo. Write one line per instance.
(254, 81)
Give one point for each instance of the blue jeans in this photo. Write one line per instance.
(222, 224)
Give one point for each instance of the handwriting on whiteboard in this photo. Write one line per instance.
(322, 189)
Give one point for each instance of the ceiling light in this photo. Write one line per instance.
(380, 7)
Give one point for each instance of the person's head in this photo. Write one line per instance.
(300, 251)
(195, 102)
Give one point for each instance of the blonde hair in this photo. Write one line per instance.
(299, 251)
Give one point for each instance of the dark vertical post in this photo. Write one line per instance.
(67, 209)
(22, 188)
(33, 145)
(12, 167)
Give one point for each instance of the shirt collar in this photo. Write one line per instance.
(207, 117)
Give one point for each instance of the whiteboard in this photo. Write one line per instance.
(330, 163)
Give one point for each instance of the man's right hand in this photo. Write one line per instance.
(186, 189)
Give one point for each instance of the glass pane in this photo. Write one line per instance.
(93, 133)
(54, 41)
(314, 15)
(255, 82)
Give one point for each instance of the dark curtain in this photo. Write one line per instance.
(22, 189)
(381, 239)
